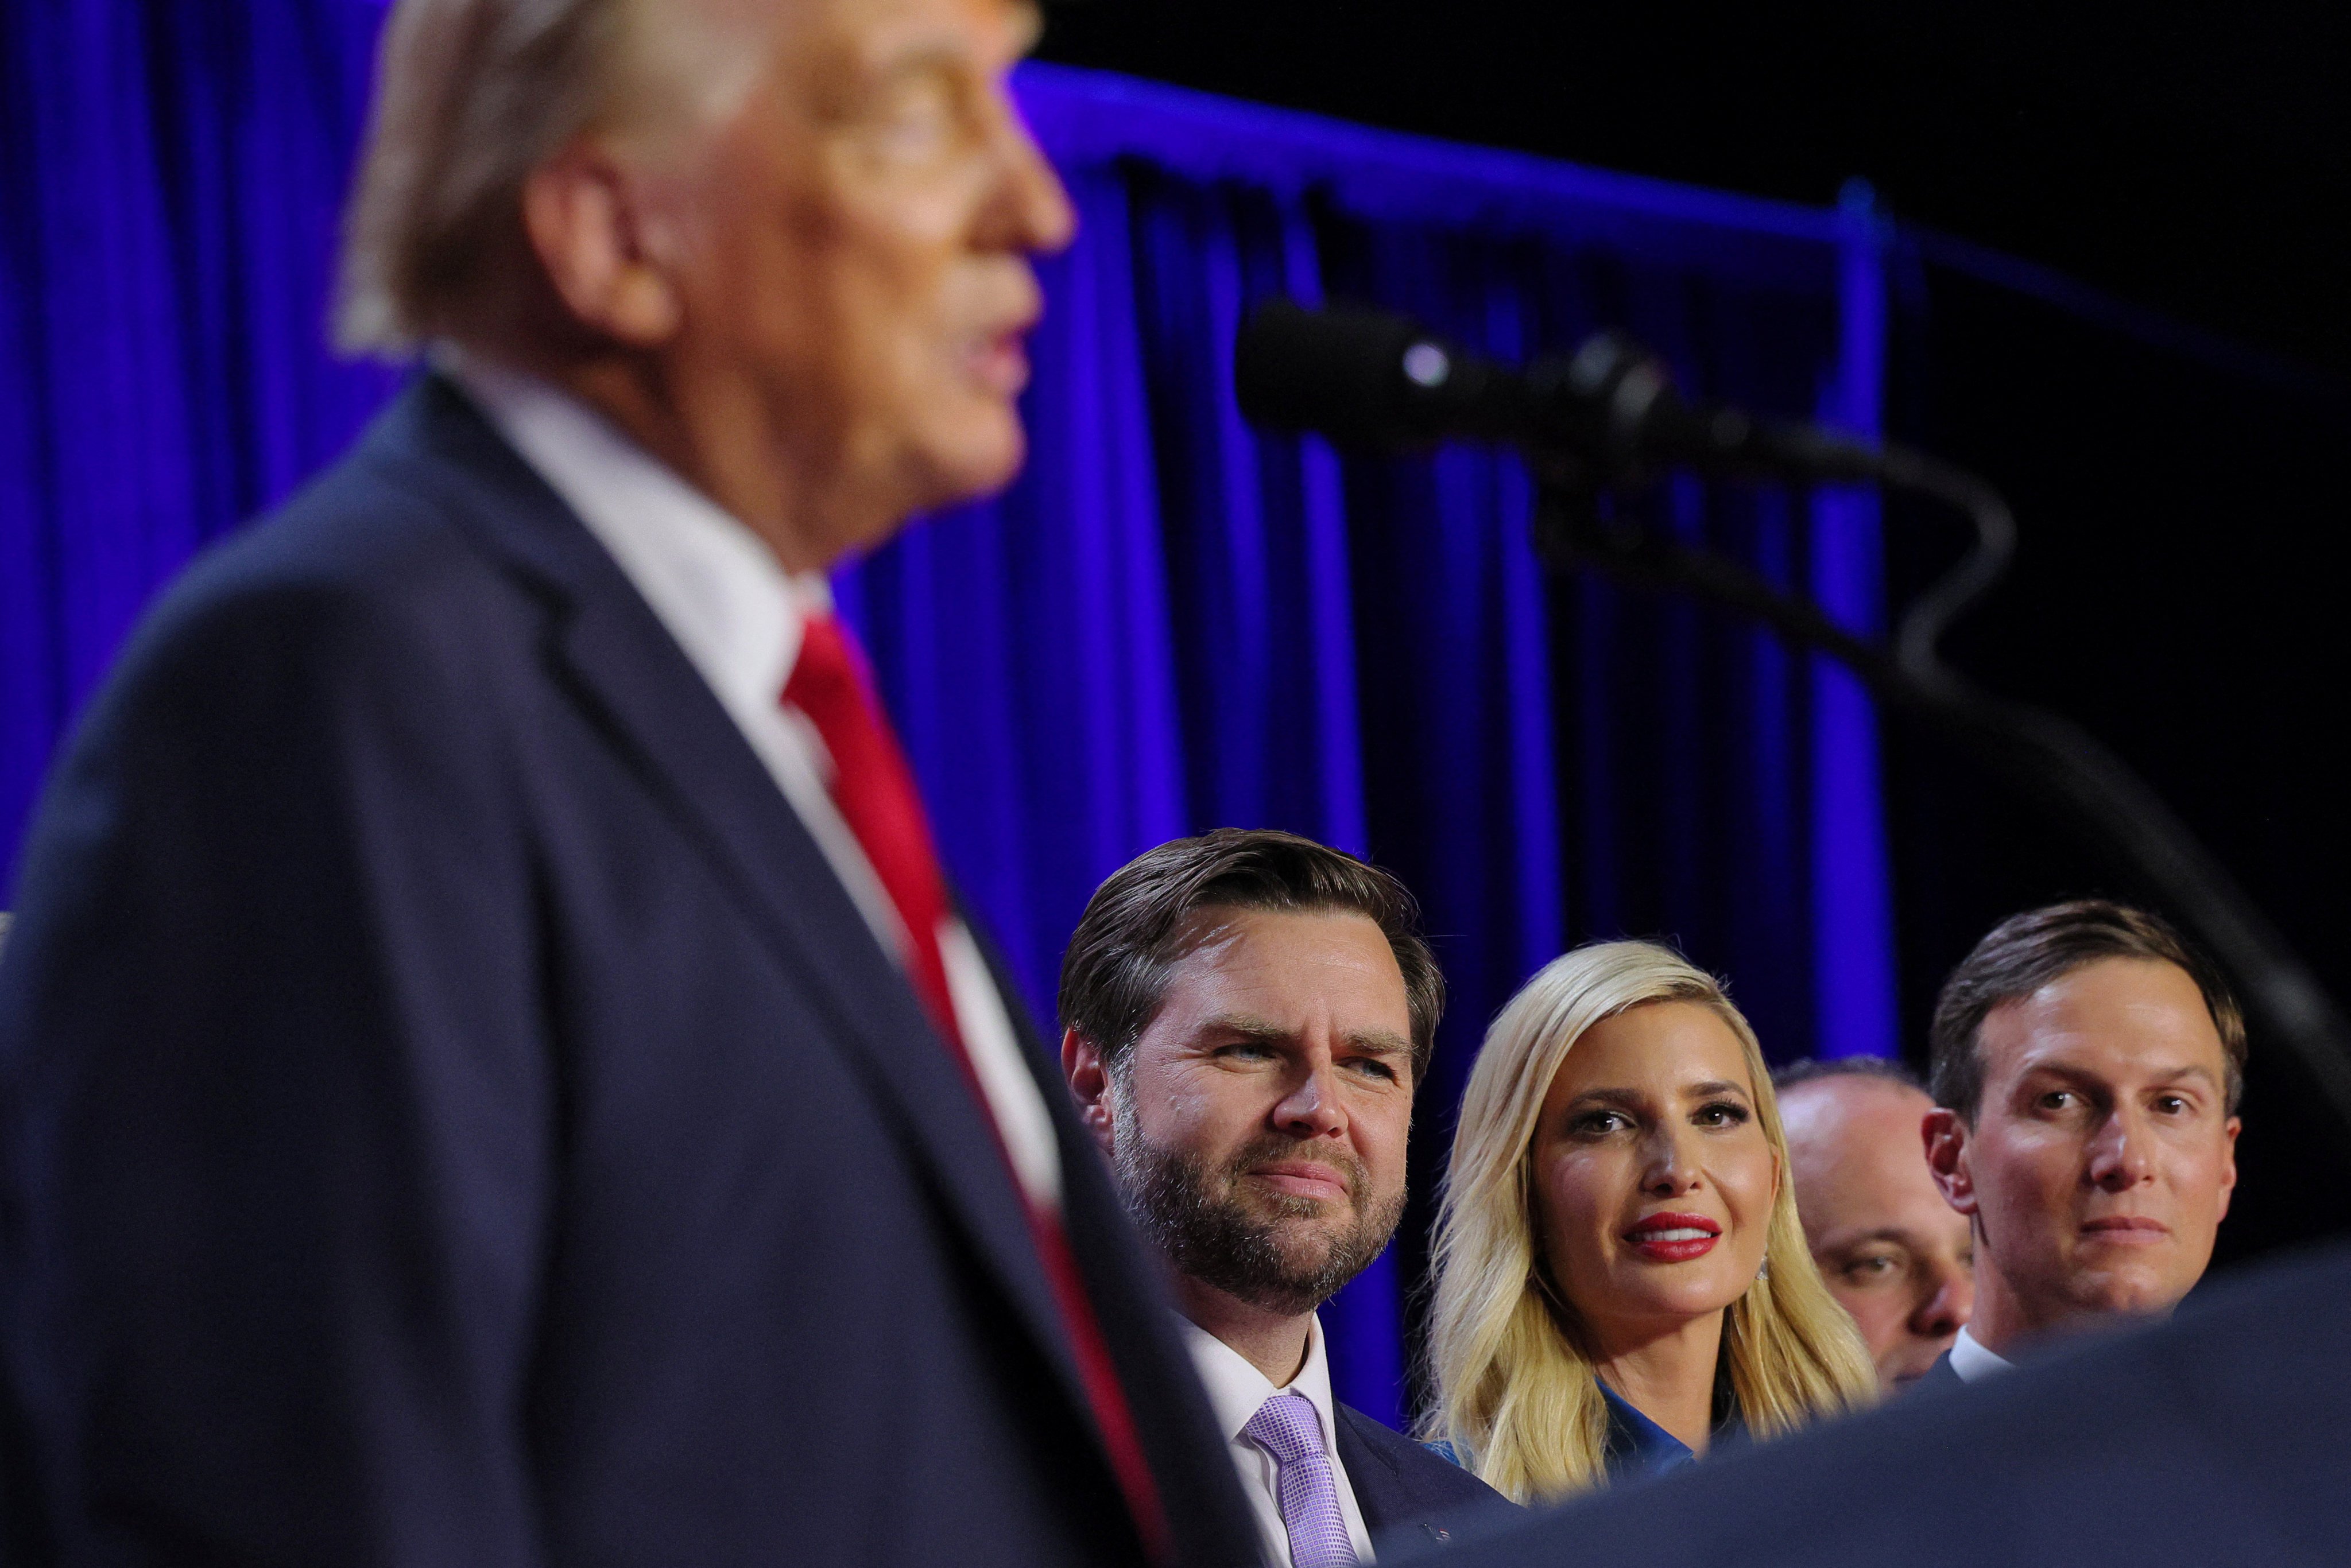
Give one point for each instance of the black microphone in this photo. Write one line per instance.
(1369, 378)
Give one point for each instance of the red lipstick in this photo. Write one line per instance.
(1674, 1238)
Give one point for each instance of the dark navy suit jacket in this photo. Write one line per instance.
(451, 1115)
(2218, 1438)
(1939, 1378)
(1401, 1486)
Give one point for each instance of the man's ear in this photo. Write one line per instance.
(2229, 1163)
(594, 233)
(1945, 1139)
(1088, 1079)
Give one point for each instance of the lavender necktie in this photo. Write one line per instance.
(1285, 1427)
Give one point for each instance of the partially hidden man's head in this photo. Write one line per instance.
(2087, 1068)
(798, 231)
(1890, 1250)
(1245, 1015)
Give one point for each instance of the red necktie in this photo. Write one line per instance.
(875, 790)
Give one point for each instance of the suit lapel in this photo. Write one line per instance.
(1370, 1470)
(621, 666)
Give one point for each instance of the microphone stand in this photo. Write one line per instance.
(2043, 757)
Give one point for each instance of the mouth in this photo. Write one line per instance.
(1674, 1238)
(2125, 1229)
(998, 362)
(1304, 1178)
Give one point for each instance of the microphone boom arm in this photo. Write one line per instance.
(2044, 758)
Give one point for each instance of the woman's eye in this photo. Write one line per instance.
(1593, 1123)
(1721, 1114)
(1875, 1266)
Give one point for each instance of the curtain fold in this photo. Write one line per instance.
(1170, 622)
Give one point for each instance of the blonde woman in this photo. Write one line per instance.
(1621, 1277)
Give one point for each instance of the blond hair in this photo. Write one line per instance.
(1516, 1395)
(472, 95)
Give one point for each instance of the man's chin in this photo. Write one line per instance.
(2145, 1291)
(979, 456)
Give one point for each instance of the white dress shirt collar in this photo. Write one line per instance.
(714, 583)
(1236, 1390)
(1973, 1362)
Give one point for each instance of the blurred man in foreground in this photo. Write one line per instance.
(1247, 1016)
(1892, 1251)
(491, 1071)
(2087, 1066)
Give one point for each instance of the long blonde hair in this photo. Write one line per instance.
(1516, 1395)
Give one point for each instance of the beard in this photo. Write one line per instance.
(1259, 1246)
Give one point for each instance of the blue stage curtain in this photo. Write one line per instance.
(1171, 622)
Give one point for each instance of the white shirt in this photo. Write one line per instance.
(737, 616)
(1974, 1363)
(1236, 1390)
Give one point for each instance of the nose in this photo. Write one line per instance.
(2120, 1153)
(1948, 1305)
(1670, 1171)
(1030, 210)
(1311, 1109)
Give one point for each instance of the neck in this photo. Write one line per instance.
(1668, 1373)
(1273, 1344)
(708, 431)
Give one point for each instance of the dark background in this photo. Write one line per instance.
(2172, 449)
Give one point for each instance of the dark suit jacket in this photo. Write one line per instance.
(2215, 1440)
(453, 1115)
(1940, 1378)
(1401, 1486)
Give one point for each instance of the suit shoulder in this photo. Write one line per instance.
(1426, 1472)
(362, 529)
(373, 564)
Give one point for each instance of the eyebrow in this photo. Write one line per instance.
(2083, 1075)
(929, 55)
(1634, 1099)
(1372, 1041)
(1893, 1233)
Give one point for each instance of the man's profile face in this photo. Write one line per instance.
(2103, 1153)
(1893, 1253)
(856, 264)
(1258, 1124)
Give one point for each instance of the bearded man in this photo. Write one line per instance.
(1245, 1015)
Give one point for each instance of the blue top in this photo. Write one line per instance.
(1638, 1448)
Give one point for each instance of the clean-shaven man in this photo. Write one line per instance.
(1245, 1015)
(2087, 1066)
(1891, 1250)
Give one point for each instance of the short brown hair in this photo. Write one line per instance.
(2027, 951)
(1136, 929)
